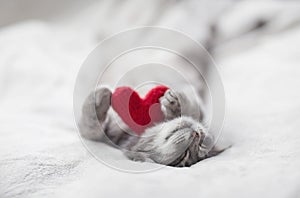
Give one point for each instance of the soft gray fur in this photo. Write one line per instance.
(179, 140)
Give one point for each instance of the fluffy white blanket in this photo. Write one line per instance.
(41, 154)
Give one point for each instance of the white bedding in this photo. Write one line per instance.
(41, 153)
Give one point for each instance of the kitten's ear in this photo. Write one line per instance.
(142, 151)
(145, 144)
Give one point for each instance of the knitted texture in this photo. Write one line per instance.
(138, 113)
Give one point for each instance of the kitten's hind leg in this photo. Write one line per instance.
(94, 114)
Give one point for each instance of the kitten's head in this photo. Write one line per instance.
(178, 142)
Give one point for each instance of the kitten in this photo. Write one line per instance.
(180, 140)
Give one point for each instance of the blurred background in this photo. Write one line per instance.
(43, 43)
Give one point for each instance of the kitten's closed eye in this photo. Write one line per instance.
(177, 129)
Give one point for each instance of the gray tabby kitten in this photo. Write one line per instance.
(178, 141)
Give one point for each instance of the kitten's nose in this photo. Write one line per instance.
(195, 134)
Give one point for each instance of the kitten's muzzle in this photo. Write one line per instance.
(206, 141)
(195, 134)
(203, 140)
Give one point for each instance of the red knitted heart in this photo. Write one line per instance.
(138, 113)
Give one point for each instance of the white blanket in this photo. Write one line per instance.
(41, 154)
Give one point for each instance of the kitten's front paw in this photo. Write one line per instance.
(102, 102)
(170, 104)
(94, 111)
(97, 104)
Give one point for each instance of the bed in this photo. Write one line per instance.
(257, 53)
